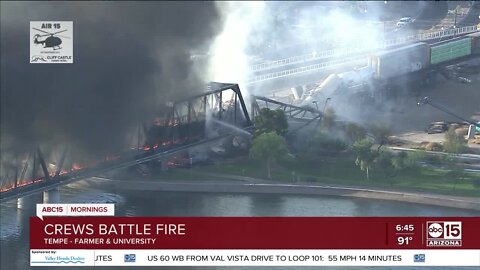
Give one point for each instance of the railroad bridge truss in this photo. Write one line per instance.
(218, 113)
(291, 111)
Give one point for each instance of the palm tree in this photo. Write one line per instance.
(364, 156)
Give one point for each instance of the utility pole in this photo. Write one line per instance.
(455, 22)
(455, 18)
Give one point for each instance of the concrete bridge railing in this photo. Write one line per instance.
(345, 53)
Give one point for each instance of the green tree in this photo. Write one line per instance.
(267, 148)
(414, 158)
(392, 163)
(476, 183)
(364, 156)
(381, 133)
(355, 132)
(398, 161)
(456, 174)
(384, 163)
(322, 143)
(454, 143)
(407, 160)
(271, 120)
(455, 171)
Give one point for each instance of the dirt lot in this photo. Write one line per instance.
(405, 116)
(421, 140)
(419, 137)
(408, 120)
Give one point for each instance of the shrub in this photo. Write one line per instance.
(322, 143)
(454, 143)
(434, 146)
(355, 132)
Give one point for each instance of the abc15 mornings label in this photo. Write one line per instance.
(444, 233)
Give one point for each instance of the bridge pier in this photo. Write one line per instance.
(29, 202)
(51, 196)
(23, 219)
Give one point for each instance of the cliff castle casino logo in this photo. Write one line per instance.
(51, 42)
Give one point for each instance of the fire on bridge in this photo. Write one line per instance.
(188, 122)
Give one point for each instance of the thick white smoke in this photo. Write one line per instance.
(269, 31)
(229, 61)
(264, 32)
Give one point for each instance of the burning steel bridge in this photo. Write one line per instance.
(299, 117)
(193, 121)
(290, 110)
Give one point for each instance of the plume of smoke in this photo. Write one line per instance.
(229, 60)
(130, 58)
(271, 31)
(278, 30)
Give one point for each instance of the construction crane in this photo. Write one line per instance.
(426, 100)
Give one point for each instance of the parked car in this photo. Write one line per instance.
(404, 22)
(437, 127)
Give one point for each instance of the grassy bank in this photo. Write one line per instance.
(181, 174)
(342, 171)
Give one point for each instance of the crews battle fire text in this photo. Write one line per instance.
(115, 229)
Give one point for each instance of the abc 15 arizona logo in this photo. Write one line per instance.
(444, 233)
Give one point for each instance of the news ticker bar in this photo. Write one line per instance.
(255, 257)
(282, 233)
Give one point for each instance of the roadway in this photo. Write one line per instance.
(432, 23)
(427, 16)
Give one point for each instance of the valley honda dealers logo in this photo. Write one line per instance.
(51, 42)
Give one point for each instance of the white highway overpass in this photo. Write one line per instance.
(310, 68)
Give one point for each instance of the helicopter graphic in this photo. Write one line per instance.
(52, 41)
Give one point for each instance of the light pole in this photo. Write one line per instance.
(320, 118)
(455, 23)
(455, 19)
(324, 106)
(441, 36)
(323, 112)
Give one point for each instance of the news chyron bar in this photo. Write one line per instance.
(91, 235)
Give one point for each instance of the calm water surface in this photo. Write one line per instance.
(14, 237)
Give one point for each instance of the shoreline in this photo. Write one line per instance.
(292, 189)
